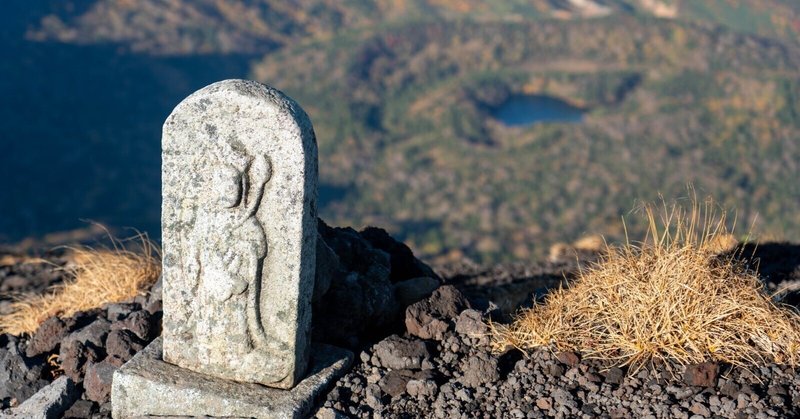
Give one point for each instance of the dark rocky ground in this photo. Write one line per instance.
(420, 343)
(443, 367)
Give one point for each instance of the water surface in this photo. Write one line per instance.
(524, 110)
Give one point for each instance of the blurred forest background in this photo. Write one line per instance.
(402, 95)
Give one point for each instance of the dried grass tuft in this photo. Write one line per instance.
(676, 296)
(95, 277)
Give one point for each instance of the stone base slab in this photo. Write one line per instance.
(148, 386)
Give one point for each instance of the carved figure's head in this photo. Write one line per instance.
(227, 184)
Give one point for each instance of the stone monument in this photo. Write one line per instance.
(239, 186)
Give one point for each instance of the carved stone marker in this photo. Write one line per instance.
(239, 229)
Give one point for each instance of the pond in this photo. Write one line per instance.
(524, 110)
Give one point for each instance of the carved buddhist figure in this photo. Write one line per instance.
(239, 180)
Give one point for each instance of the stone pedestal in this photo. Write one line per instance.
(148, 386)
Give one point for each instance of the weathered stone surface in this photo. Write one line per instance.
(328, 413)
(76, 356)
(123, 344)
(92, 335)
(48, 403)
(239, 184)
(701, 375)
(399, 353)
(149, 386)
(470, 323)
(47, 337)
(140, 322)
(568, 358)
(480, 370)
(395, 382)
(432, 317)
(19, 378)
(98, 381)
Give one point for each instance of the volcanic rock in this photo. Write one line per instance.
(432, 317)
(19, 377)
(47, 337)
(397, 353)
(701, 375)
(97, 382)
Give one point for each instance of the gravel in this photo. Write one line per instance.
(430, 359)
(465, 379)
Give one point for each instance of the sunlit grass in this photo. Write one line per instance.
(94, 277)
(680, 295)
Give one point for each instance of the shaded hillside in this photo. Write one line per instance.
(403, 116)
(236, 26)
(401, 94)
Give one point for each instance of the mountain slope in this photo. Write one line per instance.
(402, 93)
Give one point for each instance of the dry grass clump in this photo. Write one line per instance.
(676, 296)
(95, 277)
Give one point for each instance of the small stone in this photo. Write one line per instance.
(700, 409)
(397, 353)
(568, 358)
(463, 395)
(47, 337)
(729, 389)
(374, 397)
(403, 263)
(118, 311)
(701, 375)
(75, 356)
(777, 390)
(329, 413)
(19, 379)
(620, 413)
(555, 370)
(364, 357)
(92, 335)
(141, 323)
(432, 317)
(742, 401)
(49, 402)
(155, 307)
(614, 375)
(470, 323)
(12, 282)
(115, 361)
(394, 382)
(123, 344)
(97, 382)
(479, 371)
(563, 398)
(544, 403)
(422, 388)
